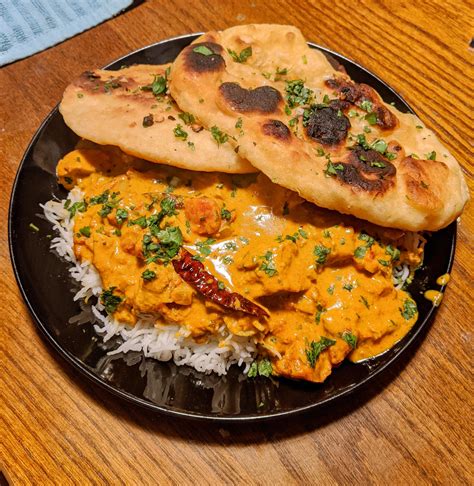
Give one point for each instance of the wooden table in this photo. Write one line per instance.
(413, 425)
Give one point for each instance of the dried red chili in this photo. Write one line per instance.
(194, 273)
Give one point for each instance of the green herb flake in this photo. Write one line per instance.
(188, 118)
(121, 215)
(350, 339)
(321, 253)
(220, 285)
(371, 118)
(219, 136)
(261, 367)
(409, 309)
(332, 169)
(243, 56)
(33, 227)
(205, 51)
(80, 206)
(364, 301)
(384, 263)
(268, 265)
(393, 252)
(180, 133)
(297, 94)
(158, 87)
(360, 251)
(238, 123)
(109, 300)
(366, 105)
(349, 287)
(226, 214)
(85, 231)
(431, 155)
(315, 348)
(148, 275)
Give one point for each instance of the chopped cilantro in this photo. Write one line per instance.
(205, 51)
(180, 133)
(109, 300)
(268, 265)
(364, 301)
(321, 252)
(188, 118)
(319, 312)
(351, 339)
(297, 94)
(220, 285)
(371, 118)
(360, 251)
(121, 215)
(226, 214)
(85, 231)
(348, 287)
(315, 348)
(393, 252)
(238, 123)
(409, 309)
(431, 155)
(79, 206)
(219, 136)
(243, 56)
(158, 86)
(366, 105)
(332, 169)
(148, 275)
(385, 263)
(262, 367)
(204, 247)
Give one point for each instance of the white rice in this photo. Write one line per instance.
(160, 341)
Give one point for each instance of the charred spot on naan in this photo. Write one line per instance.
(264, 99)
(327, 125)
(357, 94)
(366, 169)
(276, 129)
(93, 82)
(424, 181)
(198, 60)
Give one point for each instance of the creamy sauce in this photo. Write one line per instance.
(434, 296)
(319, 274)
(443, 279)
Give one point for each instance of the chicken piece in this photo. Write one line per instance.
(203, 215)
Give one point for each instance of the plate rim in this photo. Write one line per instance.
(76, 363)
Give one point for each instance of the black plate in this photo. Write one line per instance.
(47, 289)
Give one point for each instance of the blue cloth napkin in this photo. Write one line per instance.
(29, 26)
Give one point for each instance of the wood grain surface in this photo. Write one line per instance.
(412, 425)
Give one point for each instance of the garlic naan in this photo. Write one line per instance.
(131, 109)
(310, 128)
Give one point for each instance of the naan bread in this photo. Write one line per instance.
(112, 108)
(311, 129)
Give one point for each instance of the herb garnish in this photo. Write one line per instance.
(121, 215)
(262, 367)
(180, 133)
(297, 94)
(85, 231)
(409, 309)
(158, 86)
(321, 252)
(332, 169)
(315, 348)
(351, 339)
(243, 56)
(109, 300)
(268, 265)
(205, 51)
(219, 136)
(187, 118)
(148, 275)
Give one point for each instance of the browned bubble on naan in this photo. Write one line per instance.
(310, 128)
(113, 108)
